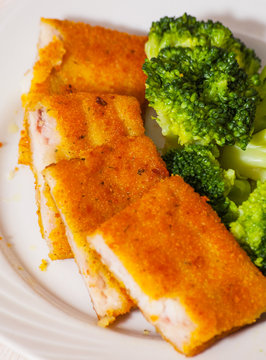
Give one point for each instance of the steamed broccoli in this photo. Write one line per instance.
(240, 191)
(260, 117)
(186, 31)
(204, 86)
(197, 165)
(250, 227)
(250, 163)
(201, 95)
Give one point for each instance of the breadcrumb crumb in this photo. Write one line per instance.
(105, 321)
(44, 264)
(146, 332)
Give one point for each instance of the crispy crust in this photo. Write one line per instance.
(24, 152)
(91, 59)
(89, 191)
(80, 57)
(109, 177)
(59, 248)
(83, 121)
(50, 57)
(58, 245)
(88, 120)
(175, 238)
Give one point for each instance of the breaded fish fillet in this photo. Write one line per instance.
(64, 127)
(74, 56)
(88, 192)
(186, 272)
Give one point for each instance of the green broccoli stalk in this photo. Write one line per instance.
(250, 163)
(240, 191)
(201, 96)
(197, 165)
(250, 227)
(186, 31)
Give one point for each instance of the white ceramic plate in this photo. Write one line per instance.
(47, 315)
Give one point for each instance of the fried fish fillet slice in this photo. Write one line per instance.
(185, 271)
(90, 191)
(64, 127)
(78, 57)
(67, 125)
(74, 56)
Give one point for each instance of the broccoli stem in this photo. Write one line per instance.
(249, 163)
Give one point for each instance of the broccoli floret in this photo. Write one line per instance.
(250, 163)
(197, 165)
(240, 191)
(201, 96)
(260, 117)
(186, 31)
(250, 227)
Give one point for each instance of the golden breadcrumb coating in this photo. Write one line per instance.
(81, 57)
(58, 245)
(24, 153)
(43, 266)
(85, 58)
(89, 191)
(83, 121)
(50, 56)
(178, 241)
